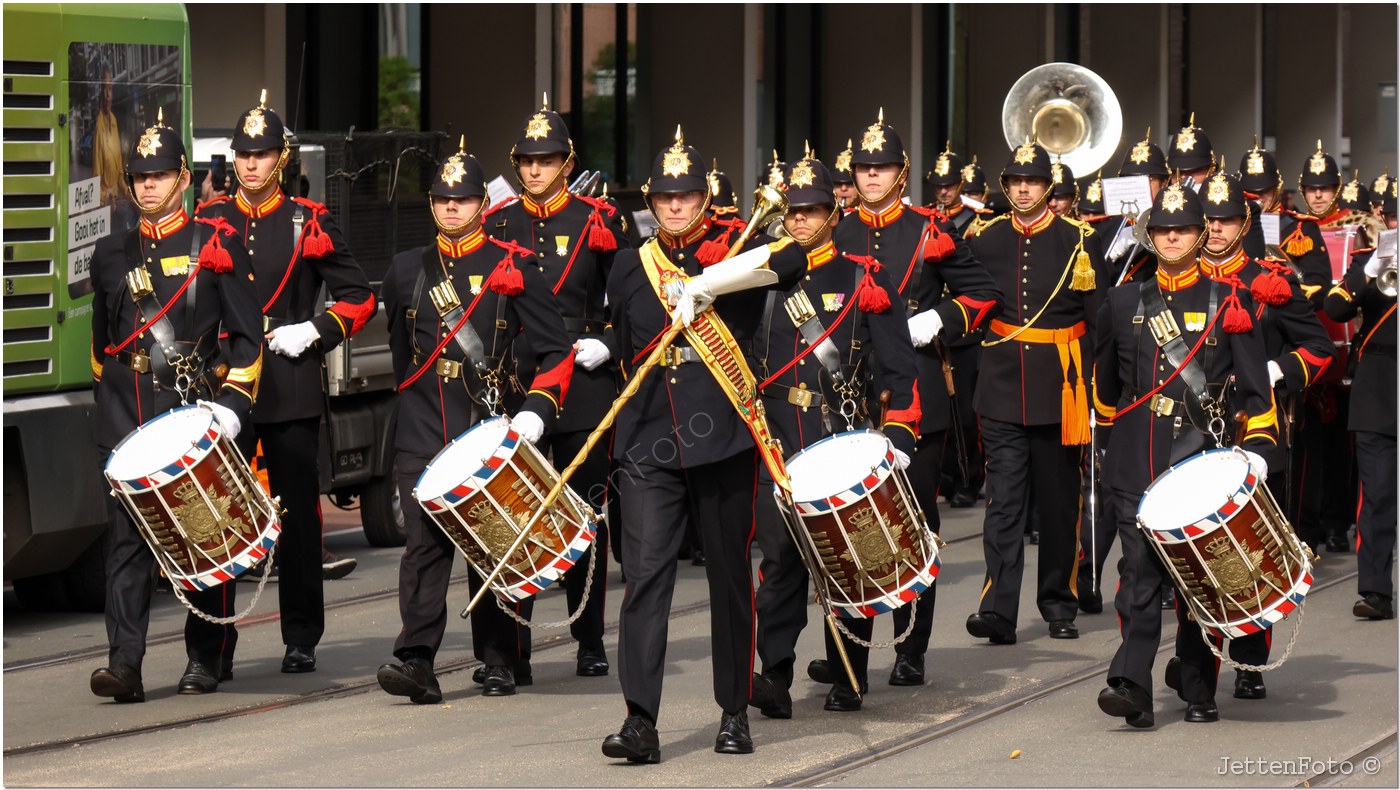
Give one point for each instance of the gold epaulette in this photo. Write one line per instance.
(1084, 227)
(977, 225)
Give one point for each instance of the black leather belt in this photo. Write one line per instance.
(583, 326)
(797, 396)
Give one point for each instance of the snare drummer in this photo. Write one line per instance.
(499, 289)
(1298, 349)
(1146, 424)
(869, 337)
(166, 261)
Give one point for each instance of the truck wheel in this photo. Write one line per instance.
(85, 581)
(42, 593)
(380, 512)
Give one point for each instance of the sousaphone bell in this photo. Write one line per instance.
(1069, 109)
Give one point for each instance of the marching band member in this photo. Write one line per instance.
(464, 291)
(684, 449)
(843, 182)
(1145, 158)
(145, 283)
(921, 255)
(803, 393)
(573, 239)
(1139, 400)
(1297, 347)
(1064, 191)
(1032, 396)
(295, 247)
(1372, 421)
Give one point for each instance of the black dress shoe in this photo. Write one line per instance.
(414, 679)
(120, 682)
(1063, 629)
(1034, 538)
(771, 696)
(990, 625)
(907, 671)
(1090, 599)
(1337, 542)
(820, 671)
(299, 658)
(199, 679)
(1173, 674)
(523, 675)
(636, 742)
(227, 674)
(697, 557)
(842, 699)
(1374, 606)
(592, 662)
(733, 737)
(1129, 701)
(1249, 685)
(1202, 711)
(961, 498)
(498, 682)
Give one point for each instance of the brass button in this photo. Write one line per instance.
(1028, 348)
(250, 252)
(877, 246)
(801, 361)
(673, 380)
(680, 256)
(1025, 279)
(1025, 255)
(877, 234)
(251, 237)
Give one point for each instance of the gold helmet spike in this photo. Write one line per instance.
(680, 136)
(1256, 142)
(462, 145)
(714, 164)
(775, 156)
(806, 149)
(881, 118)
(974, 159)
(544, 101)
(848, 143)
(262, 99)
(605, 191)
(947, 146)
(160, 116)
(1192, 122)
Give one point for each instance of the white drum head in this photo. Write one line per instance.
(462, 459)
(835, 464)
(159, 443)
(1193, 490)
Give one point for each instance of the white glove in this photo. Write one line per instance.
(1275, 373)
(1373, 264)
(529, 425)
(226, 417)
(291, 340)
(923, 326)
(1260, 465)
(901, 459)
(591, 352)
(739, 273)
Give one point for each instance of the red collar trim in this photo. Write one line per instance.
(690, 238)
(262, 209)
(1215, 271)
(819, 256)
(1037, 225)
(1185, 280)
(166, 227)
(460, 248)
(886, 217)
(548, 209)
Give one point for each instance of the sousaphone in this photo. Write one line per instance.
(1070, 110)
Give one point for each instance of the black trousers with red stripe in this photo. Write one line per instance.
(291, 454)
(1375, 524)
(130, 579)
(656, 505)
(424, 574)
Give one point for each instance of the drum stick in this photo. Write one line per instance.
(603, 425)
(884, 404)
(841, 651)
(1241, 423)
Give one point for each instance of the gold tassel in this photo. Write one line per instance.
(1083, 273)
(1068, 431)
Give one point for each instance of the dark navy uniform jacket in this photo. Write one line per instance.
(873, 345)
(1020, 382)
(923, 257)
(680, 416)
(434, 409)
(287, 277)
(574, 240)
(1128, 365)
(219, 298)
(1373, 384)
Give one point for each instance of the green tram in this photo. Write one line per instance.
(81, 83)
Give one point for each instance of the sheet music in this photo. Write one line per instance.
(1126, 195)
(1269, 223)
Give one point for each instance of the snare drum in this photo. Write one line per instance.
(1226, 543)
(193, 498)
(859, 520)
(482, 490)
